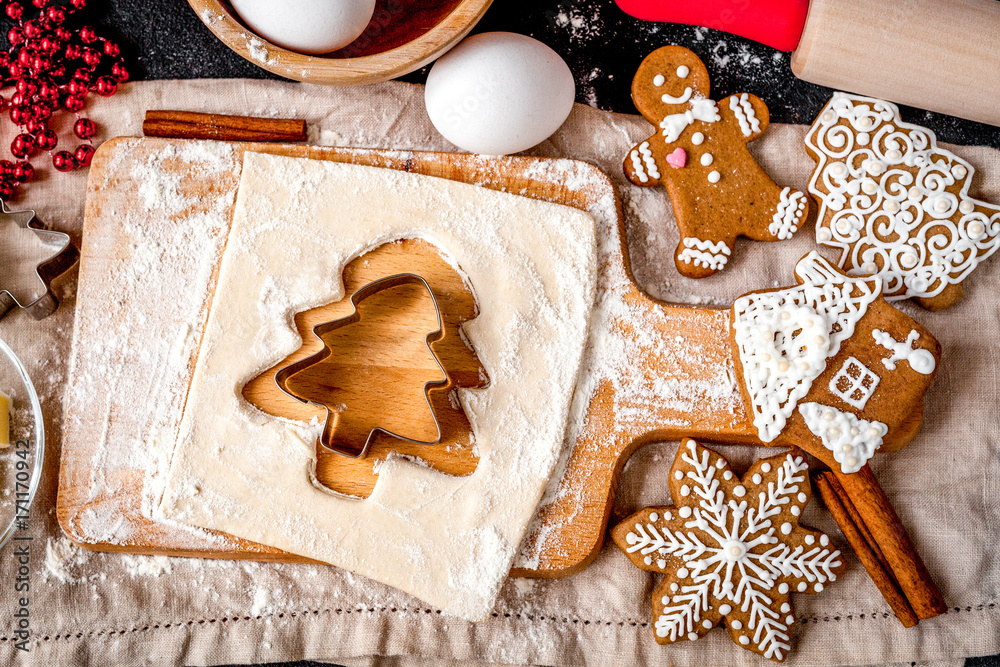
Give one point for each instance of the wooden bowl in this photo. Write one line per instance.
(403, 35)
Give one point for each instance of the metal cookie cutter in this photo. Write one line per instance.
(283, 376)
(64, 257)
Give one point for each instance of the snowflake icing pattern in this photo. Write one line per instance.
(731, 549)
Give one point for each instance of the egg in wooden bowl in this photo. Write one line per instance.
(402, 35)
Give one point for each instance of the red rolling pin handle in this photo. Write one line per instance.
(777, 23)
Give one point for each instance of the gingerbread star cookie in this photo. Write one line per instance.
(895, 204)
(700, 155)
(732, 550)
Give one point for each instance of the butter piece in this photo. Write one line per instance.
(4, 420)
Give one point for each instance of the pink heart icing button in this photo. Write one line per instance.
(678, 158)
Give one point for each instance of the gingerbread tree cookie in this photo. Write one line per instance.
(732, 550)
(700, 155)
(895, 204)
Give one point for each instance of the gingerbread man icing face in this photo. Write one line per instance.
(699, 154)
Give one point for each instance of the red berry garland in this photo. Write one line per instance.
(51, 67)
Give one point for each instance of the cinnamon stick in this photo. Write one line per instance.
(193, 125)
(877, 568)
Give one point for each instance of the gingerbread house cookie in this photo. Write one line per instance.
(700, 155)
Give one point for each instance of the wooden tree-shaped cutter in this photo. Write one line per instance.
(318, 379)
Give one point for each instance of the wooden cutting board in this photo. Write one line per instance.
(645, 354)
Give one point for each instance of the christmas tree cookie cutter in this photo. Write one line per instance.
(285, 378)
(64, 256)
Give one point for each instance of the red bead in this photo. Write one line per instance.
(63, 34)
(27, 86)
(23, 172)
(91, 57)
(84, 75)
(20, 99)
(15, 70)
(6, 191)
(3, 103)
(19, 116)
(41, 111)
(74, 51)
(40, 3)
(111, 49)
(57, 73)
(84, 154)
(24, 58)
(33, 29)
(73, 103)
(40, 63)
(106, 86)
(88, 34)
(77, 88)
(15, 35)
(119, 72)
(64, 161)
(48, 44)
(84, 128)
(14, 11)
(78, 4)
(48, 91)
(47, 140)
(6, 169)
(23, 146)
(55, 14)
(35, 125)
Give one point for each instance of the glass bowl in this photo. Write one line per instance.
(21, 461)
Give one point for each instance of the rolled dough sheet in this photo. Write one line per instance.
(447, 540)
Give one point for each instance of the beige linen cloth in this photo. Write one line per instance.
(112, 609)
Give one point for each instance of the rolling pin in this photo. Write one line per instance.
(940, 55)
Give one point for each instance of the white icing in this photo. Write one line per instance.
(854, 383)
(658, 80)
(698, 138)
(637, 166)
(702, 109)
(920, 360)
(714, 176)
(649, 160)
(705, 253)
(784, 337)
(853, 441)
(788, 216)
(643, 163)
(684, 97)
(743, 110)
(683, 71)
(942, 233)
(707, 159)
(731, 557)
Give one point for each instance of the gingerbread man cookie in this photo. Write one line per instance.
(732, 550)
(895, 204)
(700, 155)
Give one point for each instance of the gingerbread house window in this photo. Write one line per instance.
(854, 383)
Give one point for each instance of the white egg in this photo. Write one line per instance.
(307, 26)
(498, 93)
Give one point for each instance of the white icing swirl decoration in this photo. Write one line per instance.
(785, 337)
(895, 203)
